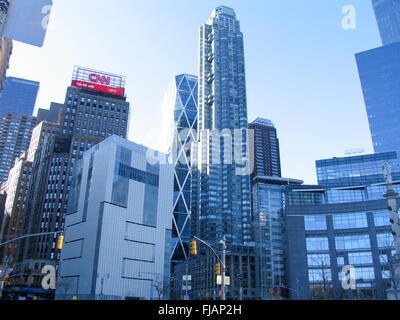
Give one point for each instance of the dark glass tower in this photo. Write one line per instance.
(387, 14)
(267, 160)
(18, 96)
(220, 195)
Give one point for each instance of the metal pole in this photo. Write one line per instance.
(187, 281)
(223, 268)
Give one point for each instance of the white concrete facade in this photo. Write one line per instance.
(118, 226)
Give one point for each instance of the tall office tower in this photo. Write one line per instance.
(18, 96)
(17, 188)
(181, 103)
(387, 14)
(267, 160)
(118, 226)
(220, 185)
(379, 71)
(15, 136)
(95, 108)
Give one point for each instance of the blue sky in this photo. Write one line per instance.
(300, 66)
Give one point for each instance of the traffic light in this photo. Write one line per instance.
(218, 269)
(193, 248)
(60, 242)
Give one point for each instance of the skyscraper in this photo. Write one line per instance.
(387, 14)
(180, 103)
(17, 188)
(379, 71)
(95, 108)
(267, 160)
(221, 184)
(18, 96)
(15, 136)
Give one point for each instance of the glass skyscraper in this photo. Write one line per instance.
(220, 189)
(181, 102)
(379, 71)
(387, 14)
(18, 96)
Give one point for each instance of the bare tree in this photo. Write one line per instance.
(161, 287)
(322, 277)
(390, 263)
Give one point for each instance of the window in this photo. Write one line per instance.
(317, 244)
(350, 221)
(361, 241)
(315, 223)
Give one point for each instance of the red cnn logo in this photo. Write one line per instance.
(96, 78)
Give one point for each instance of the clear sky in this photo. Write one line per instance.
(300, 66)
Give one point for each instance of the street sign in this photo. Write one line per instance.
(27, 21)
(227, 280)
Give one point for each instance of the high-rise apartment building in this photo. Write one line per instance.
(118, 225)
(95, 108)
(15, 135)
(16, 188)
(379, 71)
(267, 160)
(181, 104)
(220, 185)
(387, 14)
(18, 96)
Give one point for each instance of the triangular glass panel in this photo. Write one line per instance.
(192, 83)
(184, 85)
(179, 80)
(184, 95)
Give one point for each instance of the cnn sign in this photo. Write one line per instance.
(100, 79)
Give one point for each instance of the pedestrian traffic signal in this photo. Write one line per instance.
(60, 242)
(193, 248)
(218, 269)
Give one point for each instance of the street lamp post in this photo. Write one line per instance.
(222, 261)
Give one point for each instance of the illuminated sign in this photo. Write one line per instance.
(98, 81)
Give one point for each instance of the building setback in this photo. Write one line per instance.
(118, 225)
(91, 113)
